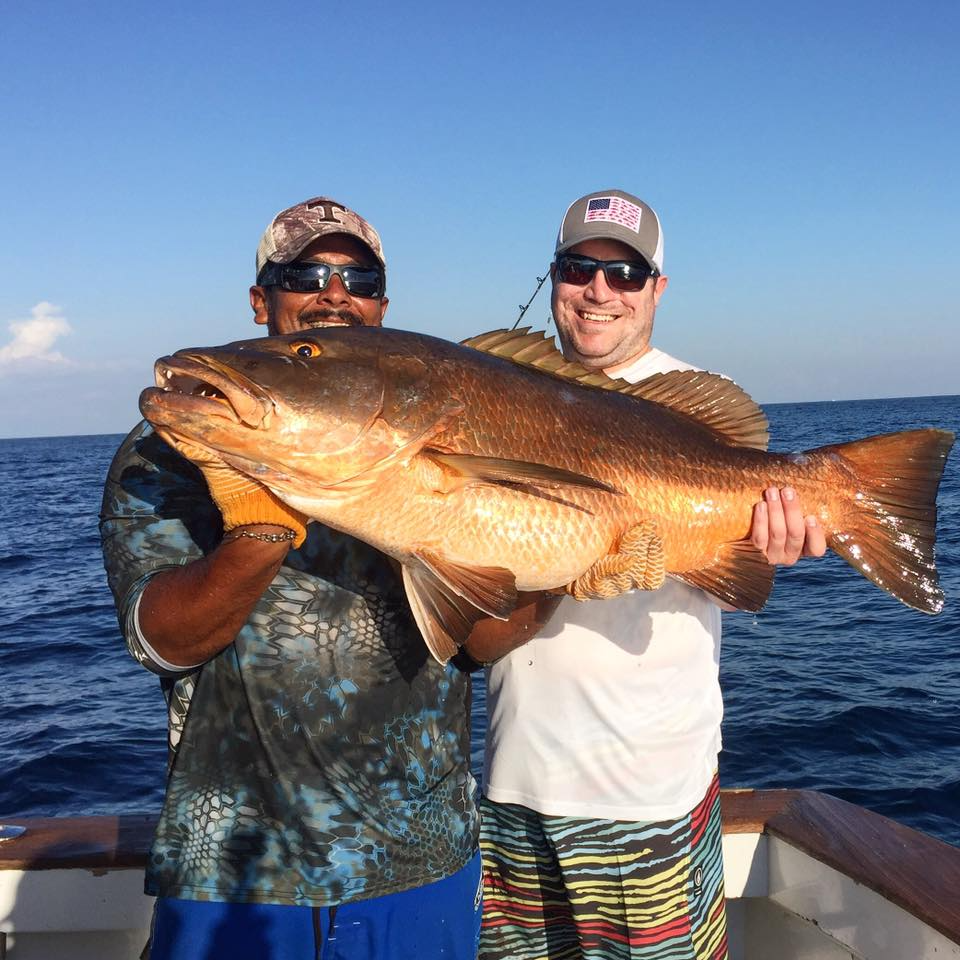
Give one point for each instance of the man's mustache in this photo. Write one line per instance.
(325, 315)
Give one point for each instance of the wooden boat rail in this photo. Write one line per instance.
(902, 865)
(908, 868)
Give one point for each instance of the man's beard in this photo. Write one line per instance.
(319, 317)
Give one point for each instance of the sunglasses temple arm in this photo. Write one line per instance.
(524, 307)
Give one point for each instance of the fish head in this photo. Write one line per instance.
(314, 409)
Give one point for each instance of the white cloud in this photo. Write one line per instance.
(33, 339)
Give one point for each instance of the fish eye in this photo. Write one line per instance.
(306, 348)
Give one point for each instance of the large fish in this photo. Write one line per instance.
(495, 466)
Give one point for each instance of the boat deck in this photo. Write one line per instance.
(808, 877)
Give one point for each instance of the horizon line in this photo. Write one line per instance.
(778, 403)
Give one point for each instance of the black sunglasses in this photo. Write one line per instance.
(626, 275)
(308, 276)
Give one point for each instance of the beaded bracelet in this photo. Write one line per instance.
(285, 537)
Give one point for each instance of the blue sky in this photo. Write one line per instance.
(803, 159)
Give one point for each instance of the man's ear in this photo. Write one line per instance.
(384, 303)
(658, 290)
(258, 300)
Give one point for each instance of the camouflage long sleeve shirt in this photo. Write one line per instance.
(323, 756)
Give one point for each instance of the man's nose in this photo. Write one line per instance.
(598, 289)
(334, 293)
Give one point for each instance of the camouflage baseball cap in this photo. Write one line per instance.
(294, 229)
(613, 215)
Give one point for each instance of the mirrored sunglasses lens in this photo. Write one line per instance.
(361, 283)
(626, 276)
(576, 271)
(305, 277)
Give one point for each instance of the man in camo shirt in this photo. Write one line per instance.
(319, 801)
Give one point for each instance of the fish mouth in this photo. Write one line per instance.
(195, 384)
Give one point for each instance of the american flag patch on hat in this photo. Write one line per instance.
(614, 210)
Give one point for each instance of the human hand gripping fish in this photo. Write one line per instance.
(496, 466)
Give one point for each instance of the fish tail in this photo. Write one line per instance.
(889, 529)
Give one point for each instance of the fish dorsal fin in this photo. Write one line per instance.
(537, 350)
(740, 575)
(707, 398)
(711, 400)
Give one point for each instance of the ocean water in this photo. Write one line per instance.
(833, 686)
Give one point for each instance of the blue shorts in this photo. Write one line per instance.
(441, 919)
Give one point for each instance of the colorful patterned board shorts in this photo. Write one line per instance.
(562, 888)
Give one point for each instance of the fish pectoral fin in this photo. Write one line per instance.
(463, 468)
(448, 598)
(740, 576)
(636, 564)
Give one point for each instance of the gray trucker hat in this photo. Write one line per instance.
(613, 215)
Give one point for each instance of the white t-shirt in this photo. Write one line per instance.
(613, 710)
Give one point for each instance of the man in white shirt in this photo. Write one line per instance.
(601, 820)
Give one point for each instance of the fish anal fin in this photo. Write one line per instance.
(448, 598)
(467, 468)
(740, 576)
(636, 564)
(709, 399)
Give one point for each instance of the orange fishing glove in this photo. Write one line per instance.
(239, 499)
